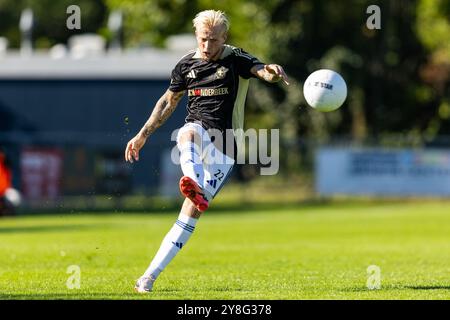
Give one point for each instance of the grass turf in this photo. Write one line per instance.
(306, 252)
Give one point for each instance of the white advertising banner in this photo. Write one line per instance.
(379, 171)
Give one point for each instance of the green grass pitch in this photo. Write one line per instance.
(303, 252)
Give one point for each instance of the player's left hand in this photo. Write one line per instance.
(278, 71)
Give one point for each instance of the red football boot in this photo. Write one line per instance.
(190, 189)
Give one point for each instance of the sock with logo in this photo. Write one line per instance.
(175, 239)
(191, 163)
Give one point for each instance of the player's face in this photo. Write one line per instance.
(210, 41)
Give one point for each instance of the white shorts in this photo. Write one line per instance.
(217, 166)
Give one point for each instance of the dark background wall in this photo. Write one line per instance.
(87, 119)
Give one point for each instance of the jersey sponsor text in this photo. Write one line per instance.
(208, 92)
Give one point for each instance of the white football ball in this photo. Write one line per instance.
(325, 90)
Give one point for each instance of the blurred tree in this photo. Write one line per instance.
(50, 19)
(433, 29)
(149, 23)
(380, 66)
(9, 21)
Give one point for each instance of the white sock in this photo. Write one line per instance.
(172, 243)
(191, 163)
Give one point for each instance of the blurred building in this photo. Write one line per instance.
(67, 114)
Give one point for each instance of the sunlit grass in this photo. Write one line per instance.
(304, 252)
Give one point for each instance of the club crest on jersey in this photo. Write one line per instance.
(221, 72)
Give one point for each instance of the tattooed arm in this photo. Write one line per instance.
(163, 109)
(270, 73)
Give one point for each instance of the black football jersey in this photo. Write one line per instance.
(216, 89)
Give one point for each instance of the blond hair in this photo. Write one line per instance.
(210, 19)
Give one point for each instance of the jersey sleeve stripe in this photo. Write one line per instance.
(239, 53)
(246, 56)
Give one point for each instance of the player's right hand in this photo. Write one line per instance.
(278, 71)
(133, 147)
